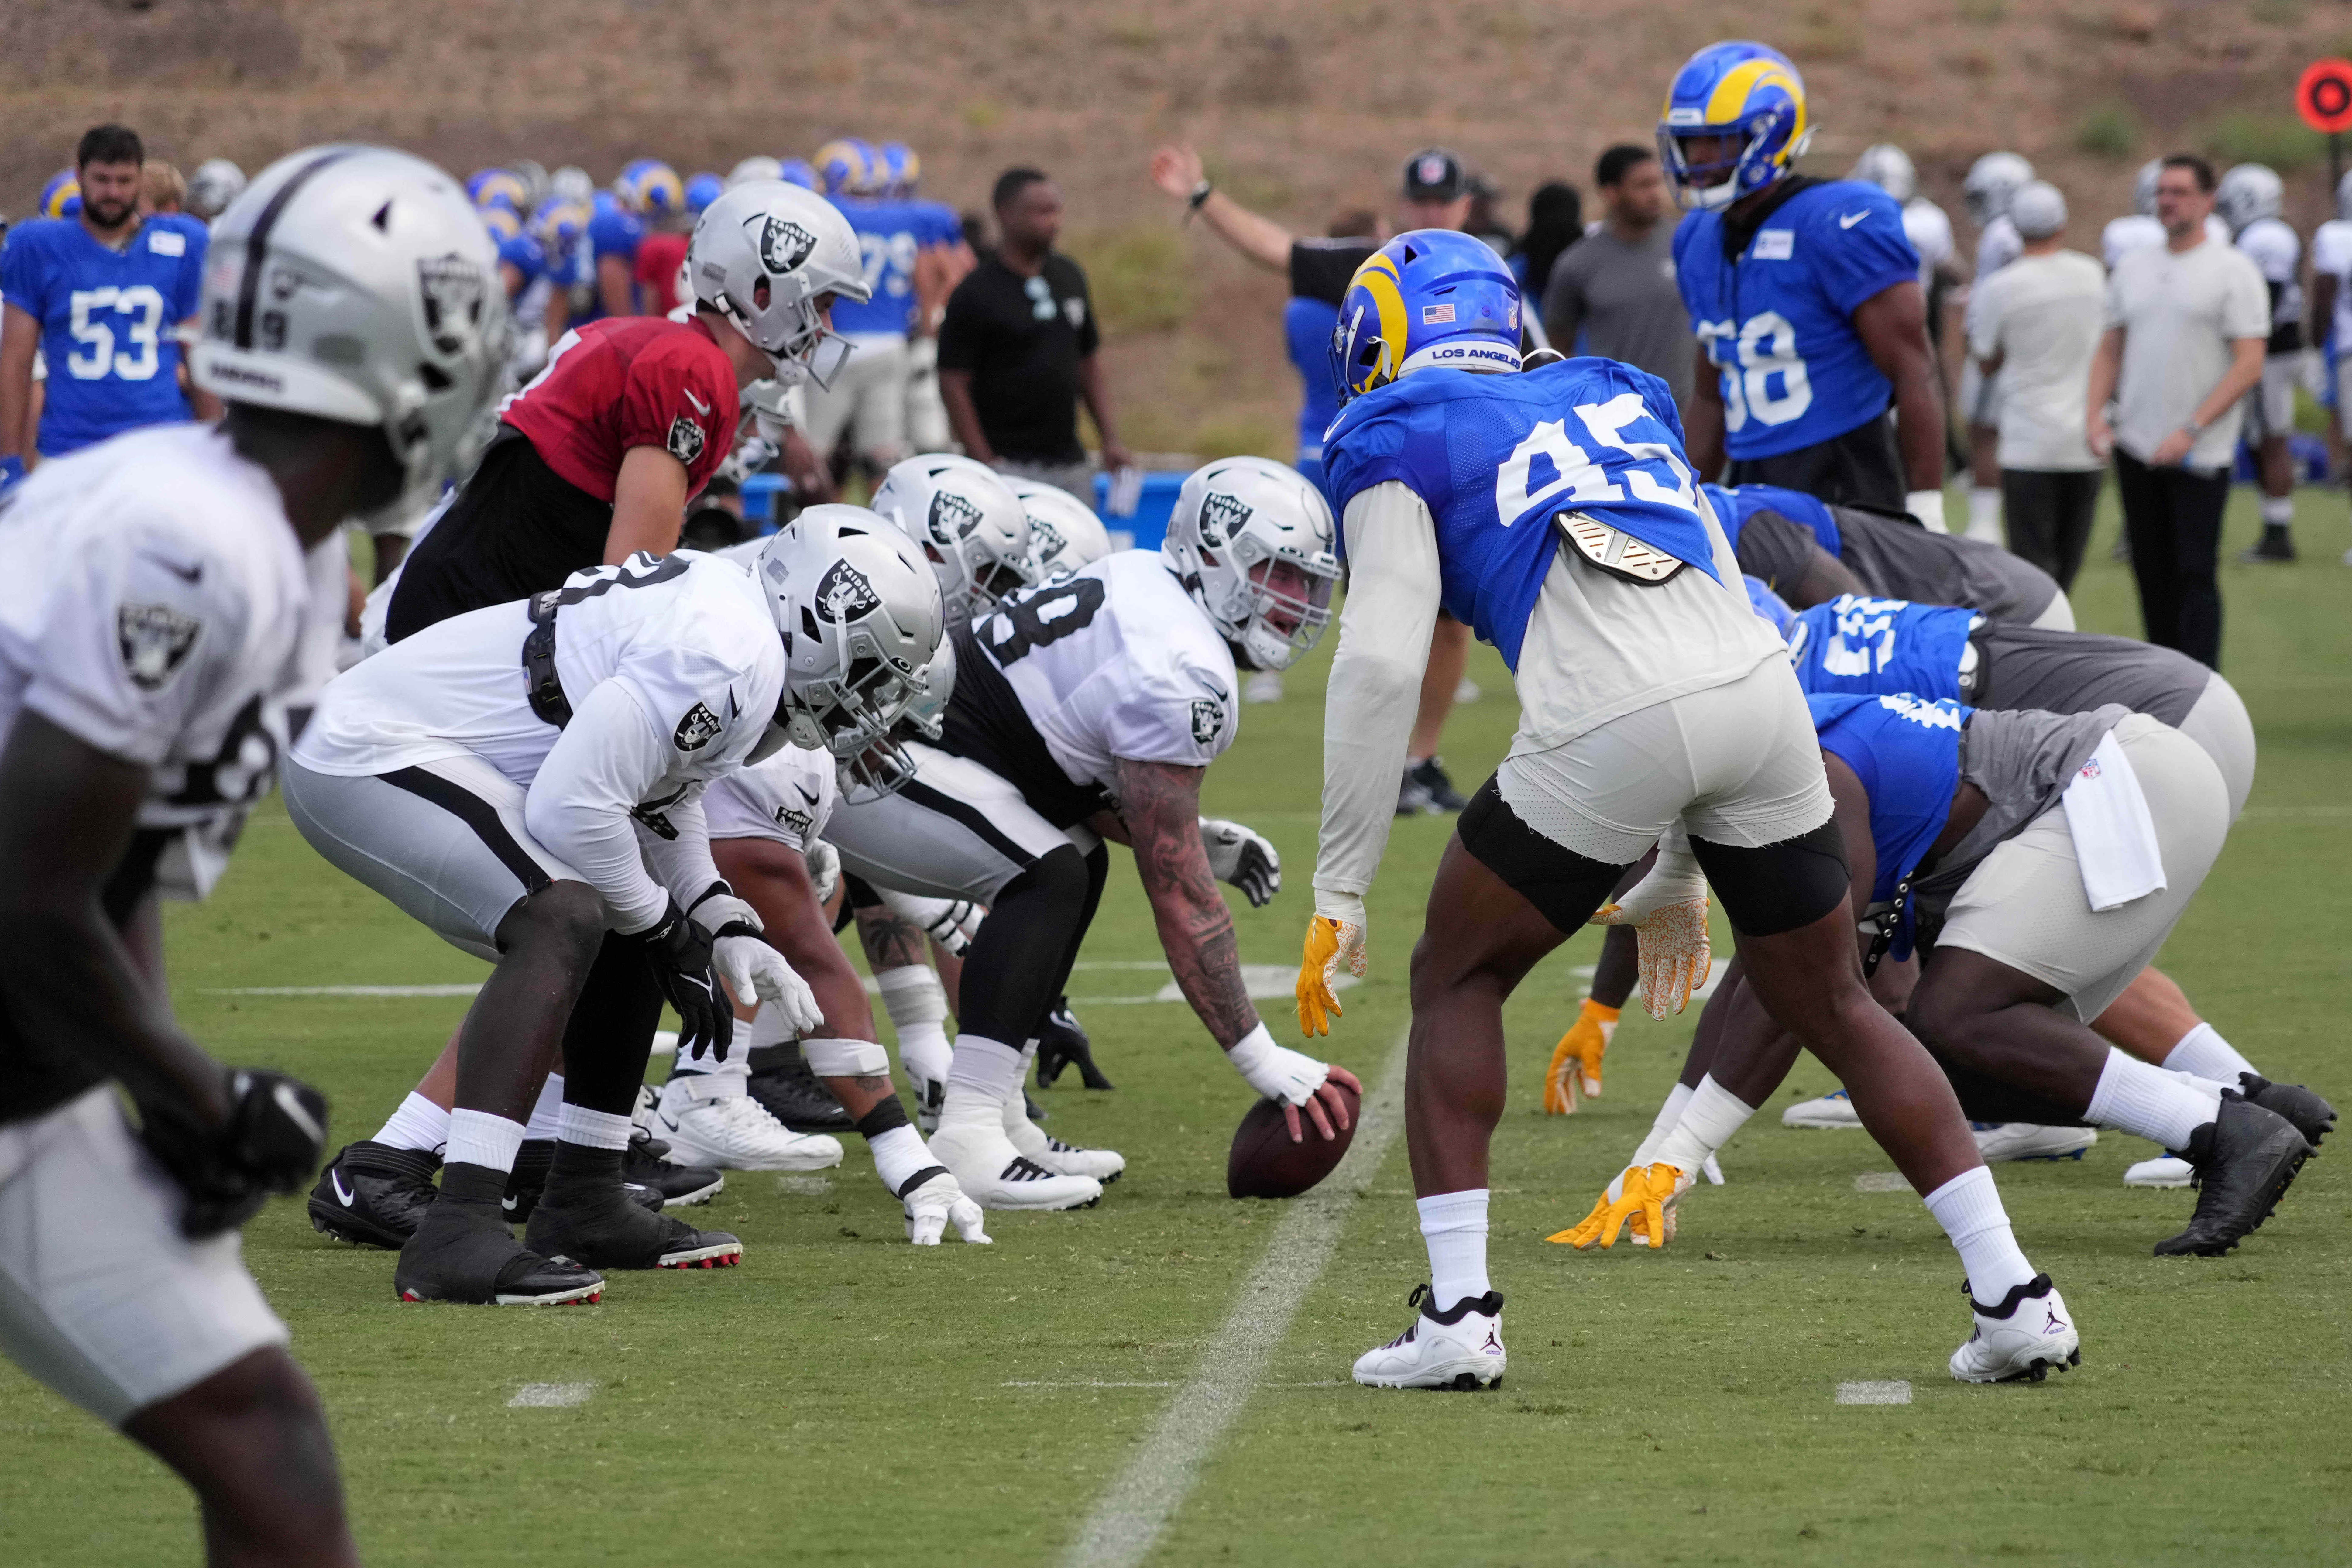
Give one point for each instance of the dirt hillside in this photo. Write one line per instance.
(1302, 109)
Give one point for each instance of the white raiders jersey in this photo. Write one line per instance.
(2273, 248)
(788, 798)
(161, 609)
(1929, 230)
(1998, 245)
(687, 636)
(2331, 252)
(1113, 661)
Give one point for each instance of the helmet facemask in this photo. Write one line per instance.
(1284, 606)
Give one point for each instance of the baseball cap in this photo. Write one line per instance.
(1435, 174)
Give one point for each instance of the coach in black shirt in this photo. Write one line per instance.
(1017, 348)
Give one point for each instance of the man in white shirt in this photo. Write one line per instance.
(2187, 327)
(2037, 324)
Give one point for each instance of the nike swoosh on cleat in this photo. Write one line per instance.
(1847, 220)
(341, 1191)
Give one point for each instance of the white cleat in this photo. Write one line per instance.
(736, 1132)
(996, 1175)
(2024, 1339)
(1039, 1147)
(1830, 1111)
(2164, 1170)
(1461, 1350)
(2026, 1141)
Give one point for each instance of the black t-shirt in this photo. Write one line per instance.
(1021, 338)
(1322, 269)
(518, 528)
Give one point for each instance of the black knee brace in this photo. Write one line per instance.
(1565, 887)
(1778, 887)
(611, 1033)
(1013, 969)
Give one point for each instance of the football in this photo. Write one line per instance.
(1265, 1163)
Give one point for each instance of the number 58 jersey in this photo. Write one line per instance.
(1066, 678)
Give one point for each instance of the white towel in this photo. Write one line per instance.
(2115, 838)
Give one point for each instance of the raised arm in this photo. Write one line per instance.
(1177, 171)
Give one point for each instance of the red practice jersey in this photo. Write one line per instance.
(659, 258)
(624, 382)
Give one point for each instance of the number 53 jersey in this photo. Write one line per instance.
(1778, 322)
(1113, 661)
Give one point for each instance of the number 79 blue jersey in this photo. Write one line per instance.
(1496, 457)
(107, 322)
(1778, 324)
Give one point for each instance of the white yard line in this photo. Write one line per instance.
(1874, 1392)
(551, 1395)
(1128, 1520)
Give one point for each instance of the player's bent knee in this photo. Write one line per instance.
(1777, 888)
(1057, 880)
(563, 919)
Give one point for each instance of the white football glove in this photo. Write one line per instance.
(751, 968)
(823, 870)
(931, 1206)
(950, 922)
(1276, 1071)
(1243, 859)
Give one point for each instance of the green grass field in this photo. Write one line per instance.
(845, 1397)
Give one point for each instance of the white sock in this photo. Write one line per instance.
(417, 1124)
(899, 1154)
(547, 1110)
(1984, 511)
(1707, 1122)
(2201, 1053)
(1454, 1226)
(594, 1129)
(1025, 1134)
(480, 1137)
(2152, 1102)
(1969, 1208)
(985, 1067)
(1668, 1114)
(2278, 511)
(917, 1005)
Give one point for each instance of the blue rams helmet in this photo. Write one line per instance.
(559, 223)
(797, 172)
(901, 170)
(1428, 298)
(650, 187)
(499, 188)
(1744, 92)
(701, 191)
(842, 167)
(61, 197)
(501, 221)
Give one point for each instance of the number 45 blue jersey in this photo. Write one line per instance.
(107, 322)
(1496, 457)
(1778, 324)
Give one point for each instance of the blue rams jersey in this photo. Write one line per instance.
(890, 236)
(1906, 751)
(1779, 323)
(936, 223)
(1865, 647)
(526, 256)
(1496, 458)
(1735, 504)
(1307, 337)
(107, 322)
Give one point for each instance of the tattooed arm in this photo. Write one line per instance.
(1160, 805)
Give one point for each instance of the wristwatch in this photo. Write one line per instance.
(1201, 193)
(2193, 428)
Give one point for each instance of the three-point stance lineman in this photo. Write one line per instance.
(1651, 699)
(150, 635)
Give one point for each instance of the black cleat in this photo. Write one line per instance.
(604, 1230)
(529, 1179)
(1432, 777)
(2245, 1159)
(2276, 547)
(792, 1095)
(469, 1258)
(372, 1195)
(646, 1164)
(2312, 1117)
(1063, 1043)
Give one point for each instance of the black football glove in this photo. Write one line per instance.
(276, 1131)
(678, 949)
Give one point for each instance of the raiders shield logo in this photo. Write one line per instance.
(952, 518)
(1208, 719)
(452, 292)
(843, 595)
(1046, 540)
(783, 245)
(155, 641)
(697, 730)
(799, 821)
(1220, 514)
(685, 441)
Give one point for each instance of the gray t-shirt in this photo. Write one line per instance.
(2181, 312)
(2066, 672)
(1899, 560)
(2023, 763)
(1624, 299)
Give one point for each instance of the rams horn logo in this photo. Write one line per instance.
(952, 518)
(1221, 517)
(783, 245)
(843, 595)
(453, 291)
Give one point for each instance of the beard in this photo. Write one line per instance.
(109, 213)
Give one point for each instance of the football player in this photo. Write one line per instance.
(942, 258)
(215, 185)
(104, 296)
(868, 403)
(2249, 200)
(1652, 699)
(150, 641)
(1805, 297)
(1087, 708)
(2331, 311)
(1966, 831)
(1992, 180)
(543, 810)
(652, 192)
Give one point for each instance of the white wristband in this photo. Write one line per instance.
(1276, 1071)
(1927, 506)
